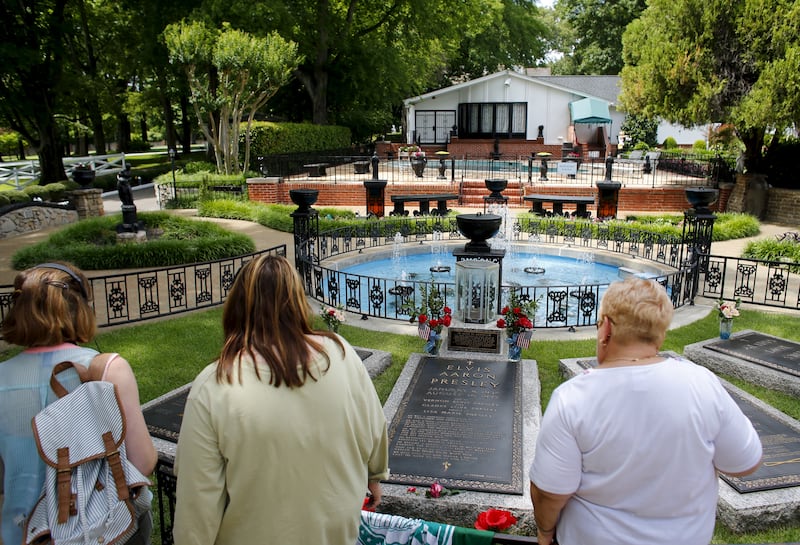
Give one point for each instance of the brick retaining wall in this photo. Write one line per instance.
(639, 199)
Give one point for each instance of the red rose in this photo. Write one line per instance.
(495, 520)
(433, 323)
(526, 323)
(366, 505)
(422, 318)
(436, 490)
(505, 310)
(411, 490)
(331, 312)
(517, 310)
(447, 320)
(501, 323)
(447, 310)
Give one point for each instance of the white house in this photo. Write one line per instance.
(534, 107)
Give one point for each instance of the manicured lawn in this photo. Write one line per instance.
(167, 354)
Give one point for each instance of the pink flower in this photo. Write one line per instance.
(436, 490)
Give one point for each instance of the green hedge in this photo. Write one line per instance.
(269, 138)
(92, 244)
(773, 250)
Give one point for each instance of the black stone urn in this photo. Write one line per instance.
(303, 198)
(478, 228)
(496, 186)
(83, 175)
(418, 164)
(701, 198)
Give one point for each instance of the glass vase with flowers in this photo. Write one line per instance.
(727, 311)
(516, 320)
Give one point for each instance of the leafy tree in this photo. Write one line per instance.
(31, 75)
(595, 28)
(693, 62)
(516, 35)
(232, 74)
(640, 129)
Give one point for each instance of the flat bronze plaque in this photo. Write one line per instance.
(460, 423)
(766, 350)
(780, 466)
(474, 340)
(164, 418)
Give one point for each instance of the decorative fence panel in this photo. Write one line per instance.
(559, 306)
(758, 282)
(143, 295)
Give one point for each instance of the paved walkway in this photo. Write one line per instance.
(264, 237)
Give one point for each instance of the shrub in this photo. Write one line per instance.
(16, 196)
(772, 250)
(57, 191)
(193, 167)
(670, 143)
(37, 191)
(699, 145)
(92, 244)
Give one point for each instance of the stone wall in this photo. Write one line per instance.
(781, 204)
(34, 217)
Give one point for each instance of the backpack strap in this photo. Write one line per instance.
(115, 464)
(94, 371)
(66, 503)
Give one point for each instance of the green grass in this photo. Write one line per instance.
(92, 244)
(169, 353)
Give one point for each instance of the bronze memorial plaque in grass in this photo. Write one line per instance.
(460, 423)
(780, 466)
(766, 350)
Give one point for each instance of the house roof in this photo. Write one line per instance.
(605, 87)
(602, 87)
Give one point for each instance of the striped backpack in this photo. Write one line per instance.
(90, 487)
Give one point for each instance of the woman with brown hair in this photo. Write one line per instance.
(284, 434)
(50, 314)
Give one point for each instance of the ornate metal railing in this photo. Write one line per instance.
(154, 293)
(559, 306)
(754, 281)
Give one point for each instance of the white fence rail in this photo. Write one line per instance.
(21, 174)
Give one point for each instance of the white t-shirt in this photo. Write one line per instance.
(638, 447)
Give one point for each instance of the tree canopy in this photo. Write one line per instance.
(232, 74)
(706, 61)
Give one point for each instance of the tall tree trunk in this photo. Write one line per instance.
(20, 149)
(51, 163)
(169, 122)
(96, 117)
(124, 129)
(186, 124)
(143, 128)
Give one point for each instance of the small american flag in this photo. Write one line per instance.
(424, 331)
(524, 339)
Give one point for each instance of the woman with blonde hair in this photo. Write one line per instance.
(50, 315)
(284, 434)
(628, 452)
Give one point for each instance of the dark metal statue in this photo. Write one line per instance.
(124, 186)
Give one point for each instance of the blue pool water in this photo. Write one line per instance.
(559, 271)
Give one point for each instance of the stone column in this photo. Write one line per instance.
(87, 202)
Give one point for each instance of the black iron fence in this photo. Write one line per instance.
(154, 293)
(758, 282)
(662, 169)
(559, 306)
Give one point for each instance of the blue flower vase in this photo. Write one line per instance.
(434, 344)
(725, 327)
(514, 351)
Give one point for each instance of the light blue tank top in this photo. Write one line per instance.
(24, 391)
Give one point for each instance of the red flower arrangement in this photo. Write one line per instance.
(495, 520)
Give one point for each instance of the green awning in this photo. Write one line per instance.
(589, 110)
